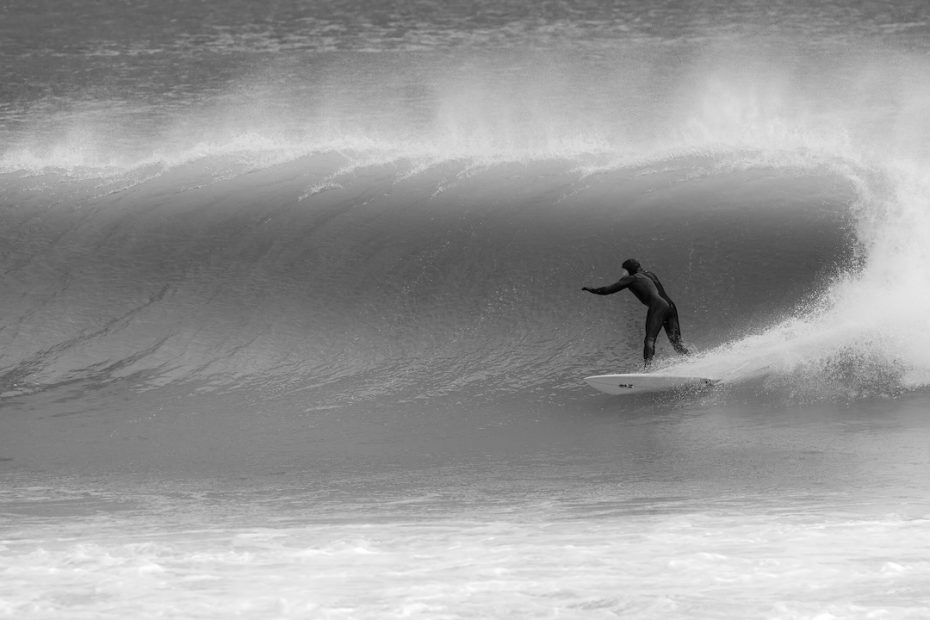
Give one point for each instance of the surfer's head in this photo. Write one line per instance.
(631, 265)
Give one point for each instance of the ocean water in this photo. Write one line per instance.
(291, 322)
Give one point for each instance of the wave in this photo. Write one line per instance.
(399, 280)
(433, 240)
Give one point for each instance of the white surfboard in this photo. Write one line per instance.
(640, 383)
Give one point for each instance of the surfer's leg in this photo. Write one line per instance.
(673, 330)
(654, 320)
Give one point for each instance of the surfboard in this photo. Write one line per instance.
(640, 383)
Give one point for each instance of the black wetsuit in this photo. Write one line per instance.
(662, 312)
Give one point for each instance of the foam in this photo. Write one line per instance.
(507, 561)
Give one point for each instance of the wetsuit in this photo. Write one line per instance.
(662, 312)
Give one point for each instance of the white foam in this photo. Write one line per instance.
(738, 561)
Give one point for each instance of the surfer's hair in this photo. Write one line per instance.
(632, 265)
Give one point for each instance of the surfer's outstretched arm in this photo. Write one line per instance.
(617, 286)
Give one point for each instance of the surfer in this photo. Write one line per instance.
(662, 312)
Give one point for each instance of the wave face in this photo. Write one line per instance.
(387, 280)
(368, 215)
